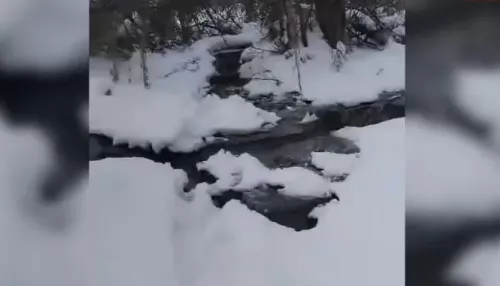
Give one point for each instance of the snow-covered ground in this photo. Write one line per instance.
(364, 75)
(177, 112)
(198, 244)
(132, 226)
(161, 118)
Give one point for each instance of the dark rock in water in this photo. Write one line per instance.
(285, 210)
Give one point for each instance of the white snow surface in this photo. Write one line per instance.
(123, 235)
(333, 164)
(142, 117)
(131, 226)
(363, 233)
(176, 111)
(245, 172)
(309, 117)
(365, 73)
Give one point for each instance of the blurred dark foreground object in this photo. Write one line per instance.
(443, 37)
(52, 101)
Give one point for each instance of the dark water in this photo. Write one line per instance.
(288, 144)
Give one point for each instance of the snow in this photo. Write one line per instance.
(364, 19)
(176, 111)
(365, 74)
(363, 233)
(139, 117)
(182, 71)
(245, 172)
(130, 225)
(124, 232)
(400, 30)
(309, 117)
(116, 231)
(333, 164)
(133, 225)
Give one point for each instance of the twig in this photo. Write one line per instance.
(271, 79)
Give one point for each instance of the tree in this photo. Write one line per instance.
(330, 15)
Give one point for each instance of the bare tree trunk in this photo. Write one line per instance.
(115, 71)
(185, 29)
(251, 13)
(113, 46)
(293, 38)
(143, 45)
(303, 19)
(331, 18)
(291, 21)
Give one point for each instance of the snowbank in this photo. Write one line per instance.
(333, 164)
(123, 235)
(143, 117)
(183, 71)
(245, 172)
(131, 227)
(364, 75)
(117, 230)
(175, 111)
(363, 233)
